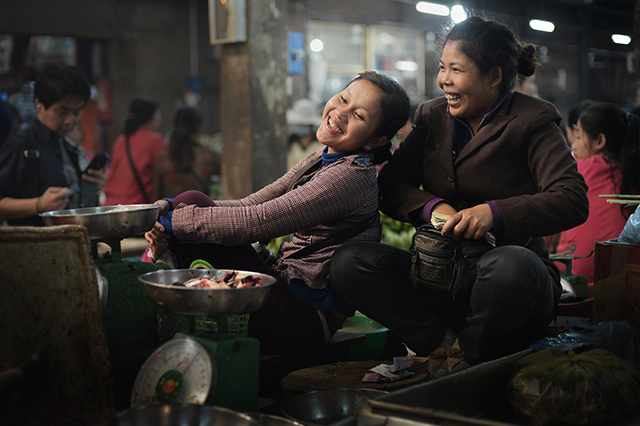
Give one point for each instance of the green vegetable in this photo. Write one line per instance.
(394, 232)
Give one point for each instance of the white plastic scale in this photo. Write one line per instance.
(207, 366)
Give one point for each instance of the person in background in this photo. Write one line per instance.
(90, 126)
(328, 197)
(571, 120)
(400, 136)
(405, 130)
(185, 164)
(607, 148)
(484, 158)
(303, 120)
(134, 155)
(569, 125)
(91, 193)
(528, 86)
(39, 170)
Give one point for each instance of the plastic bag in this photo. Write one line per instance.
(618, 337)
(631, 232)
(569, 341)
(553, 387)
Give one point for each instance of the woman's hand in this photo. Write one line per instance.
(165, 207)
(99, 177)
(157, 240)
(444, 209)
(470, 223)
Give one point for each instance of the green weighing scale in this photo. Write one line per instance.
(206, 366)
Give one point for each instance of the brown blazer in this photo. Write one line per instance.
(520, 159)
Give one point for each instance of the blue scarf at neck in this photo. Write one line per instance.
(332, 158)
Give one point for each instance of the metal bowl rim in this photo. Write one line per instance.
(287, 406)
(270, 280)
(129, 411)
(274, 417)
(91, 211)
(339, 390)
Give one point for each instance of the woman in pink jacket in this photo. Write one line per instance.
(134, 155)
(607, 147)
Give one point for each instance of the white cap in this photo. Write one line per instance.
(304, 112)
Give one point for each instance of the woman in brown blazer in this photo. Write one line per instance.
(489, 160)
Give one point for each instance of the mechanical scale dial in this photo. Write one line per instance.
(179, 371)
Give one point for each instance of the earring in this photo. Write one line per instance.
(39, 106)
(367, 147)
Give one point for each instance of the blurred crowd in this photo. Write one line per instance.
(53, 156)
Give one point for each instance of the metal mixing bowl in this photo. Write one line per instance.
(107, 222)
(204, 301)
(271, 420)
(180, 414)
(328, 406)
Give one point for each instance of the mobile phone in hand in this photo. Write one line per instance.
(98, 162)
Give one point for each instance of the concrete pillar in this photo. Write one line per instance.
(253, 101)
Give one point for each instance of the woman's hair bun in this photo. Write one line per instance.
(528, 59)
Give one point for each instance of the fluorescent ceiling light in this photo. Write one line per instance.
(406, 66)
(620, 39)
(432, 8)
(544, 26)
(458, 14)
(316, 45)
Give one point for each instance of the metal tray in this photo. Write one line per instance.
(475, 396)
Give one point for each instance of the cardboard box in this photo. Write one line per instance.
(616, 282)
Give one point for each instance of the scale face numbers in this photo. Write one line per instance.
(179, 371)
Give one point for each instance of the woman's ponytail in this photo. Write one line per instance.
(141, 110)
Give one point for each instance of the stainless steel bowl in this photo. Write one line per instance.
(204, 301)
(107, 222)
(271, 420)
(180, 414)
(328, 406)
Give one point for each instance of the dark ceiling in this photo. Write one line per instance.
(580, 24)
(606, 15)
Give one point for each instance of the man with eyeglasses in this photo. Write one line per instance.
(39, 169)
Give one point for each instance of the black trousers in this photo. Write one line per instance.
(512, 300)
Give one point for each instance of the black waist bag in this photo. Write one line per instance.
(444, 263)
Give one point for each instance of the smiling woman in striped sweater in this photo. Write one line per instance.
(331, 193)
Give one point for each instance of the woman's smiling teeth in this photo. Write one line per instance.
(332, 126)
(451, 97)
